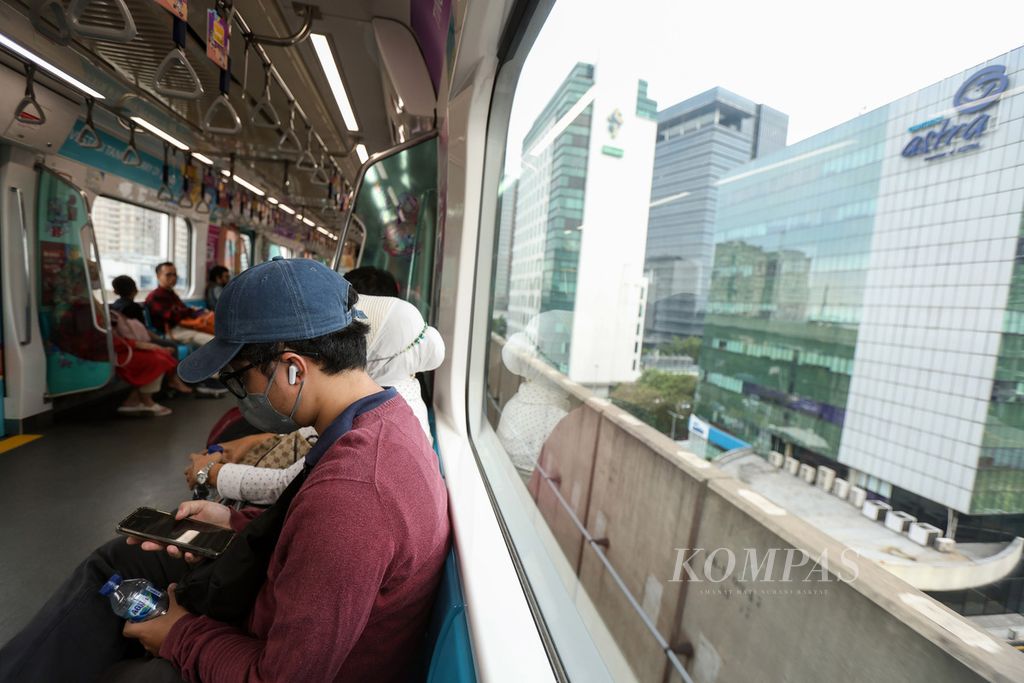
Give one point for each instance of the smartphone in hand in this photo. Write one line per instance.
(199, 538)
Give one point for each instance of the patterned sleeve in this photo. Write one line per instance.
(259, 485)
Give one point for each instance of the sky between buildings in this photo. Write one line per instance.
(822, 63)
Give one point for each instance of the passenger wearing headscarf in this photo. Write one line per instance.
(399, 345)
(538, 405)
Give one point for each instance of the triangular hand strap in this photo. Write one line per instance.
(177, 56)
(125, 34)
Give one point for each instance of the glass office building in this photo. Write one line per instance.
(866, 306)
(699, 140)
(575, 285)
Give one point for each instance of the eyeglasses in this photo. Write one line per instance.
(232, 381)
(236, 385)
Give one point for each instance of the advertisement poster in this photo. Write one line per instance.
(212, 242)
(217, 35)
(178, 8)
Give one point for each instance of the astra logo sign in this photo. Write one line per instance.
(949, 136)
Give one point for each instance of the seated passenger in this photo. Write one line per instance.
(168, 312)
(126, 290)
(338, 589)
(143, 365)
(216, 280)
(400, 344)
(376, 281)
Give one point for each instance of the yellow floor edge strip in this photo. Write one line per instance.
(12, 442)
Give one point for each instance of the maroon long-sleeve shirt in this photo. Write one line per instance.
(352, 579)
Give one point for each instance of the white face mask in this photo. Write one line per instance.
(258, 411)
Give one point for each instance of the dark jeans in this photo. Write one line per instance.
(77, 637)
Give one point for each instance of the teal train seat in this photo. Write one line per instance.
(183, 349)
(451, 654)
(448, 649)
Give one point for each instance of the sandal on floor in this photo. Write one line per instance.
(156, 409)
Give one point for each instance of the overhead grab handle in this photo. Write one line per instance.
(263, 114)
(177, 57)
(307, 162)
(203, 206)
(289, 142)
(130, 156)
(125, 34)
(88, 137)
(165, 194)
(185, 200)
(223, 102)
(320, 176)
(54, 11)
(28, 110)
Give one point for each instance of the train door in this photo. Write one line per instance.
(73, 316)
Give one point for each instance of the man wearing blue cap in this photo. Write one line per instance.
(335, 581)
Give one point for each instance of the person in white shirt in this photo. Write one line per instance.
(399, 345)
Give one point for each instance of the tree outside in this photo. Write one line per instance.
(680, 346)
(659, 398)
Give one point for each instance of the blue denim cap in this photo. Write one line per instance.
(277, 301)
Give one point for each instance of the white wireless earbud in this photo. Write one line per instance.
(293, 374)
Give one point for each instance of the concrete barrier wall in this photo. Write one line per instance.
(631, 487)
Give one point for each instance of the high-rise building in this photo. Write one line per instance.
(580, 224)
(866, 305)
(699, 140)
(503, 254)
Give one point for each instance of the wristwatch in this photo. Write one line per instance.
(203, 475)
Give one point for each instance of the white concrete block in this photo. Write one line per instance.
(857, 496)
(875, 510)
(899, 521)
(923, 533)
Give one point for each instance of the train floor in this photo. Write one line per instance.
(64, 493)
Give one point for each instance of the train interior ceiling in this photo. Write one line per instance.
(381, 134)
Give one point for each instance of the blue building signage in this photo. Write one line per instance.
(954, 135)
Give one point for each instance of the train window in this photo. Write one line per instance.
(279, 250)
(684, 276)
(183, 253)
(133, 240)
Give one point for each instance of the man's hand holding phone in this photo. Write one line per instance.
(199, 510)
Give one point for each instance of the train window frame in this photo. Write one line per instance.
(190, 271)
(578, 648)
(169, 242)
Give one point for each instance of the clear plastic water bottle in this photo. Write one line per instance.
(134, 599)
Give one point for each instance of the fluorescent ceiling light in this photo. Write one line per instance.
(298, 217)
(249, 186)
(203, 158)
(286, 208)
(50, 68)
(362, 153)
(308, 222)
(322, 231)
(330, 67)
(225, 172)
(272, 200)
(160, 134)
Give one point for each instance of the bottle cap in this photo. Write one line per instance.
(111, 585)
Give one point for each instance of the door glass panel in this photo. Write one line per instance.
(397, 204)
(72, 311)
